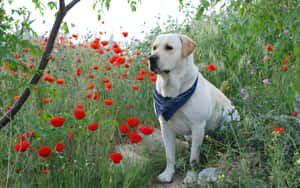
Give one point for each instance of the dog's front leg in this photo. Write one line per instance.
(169, 142)
(197, 139)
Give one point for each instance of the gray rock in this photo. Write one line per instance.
(207, 175)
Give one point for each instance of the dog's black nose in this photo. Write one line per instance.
(153, 62)
(153, 59)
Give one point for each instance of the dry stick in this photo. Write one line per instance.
(43, 63)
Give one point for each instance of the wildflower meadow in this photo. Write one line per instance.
(96, 95)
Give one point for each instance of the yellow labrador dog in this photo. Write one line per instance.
(185, 102)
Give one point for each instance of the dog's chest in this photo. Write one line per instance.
(179, 123)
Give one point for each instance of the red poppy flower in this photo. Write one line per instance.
(294, 114)
(26, 50)
(30, 135)
(108, 86)
(146, 130)
(47, 100)
(89, 95)
(96, 67)
(115, 45)
(133, 122)
(22, 146)
(285, 60)
(45, 78)
(116, 157)
(285, 67)
(91, 76)
(279, 130)
(46, 171)
(38, 112)
(137, 53)
(45, 152)
(125, 34)
(108, 102)
(78, 60)
(152, 73)
(153, 79)
(96, 95)
(212, 67)
(8, 107)
(290, 54)
(59, 147)
(105, 80)
(117, 50)
(51, 79)
(135, 87)
(23, 138)
(31, 149)
(140, 77)
(60, 81)
(135, 137)
(78, 71)
(71, 136)
(142, 72)
(124, 128)
(95, 45)
(16, 97)
(93, 126)
(270, 47)
(91, 86)
(79, 114)
(130, 60)
(125, 75)
(127, 65)
(80, 105)
(104, 43)
(75, 36)
(57, 121)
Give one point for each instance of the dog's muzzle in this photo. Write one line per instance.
(154, 65)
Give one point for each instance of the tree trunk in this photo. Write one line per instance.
(43, 63)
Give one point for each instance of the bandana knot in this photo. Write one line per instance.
(167, 106)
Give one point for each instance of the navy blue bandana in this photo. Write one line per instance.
(167, 106)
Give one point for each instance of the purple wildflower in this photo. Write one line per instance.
(243, 91)
(253, 71)
(249, 61)
(265, 81)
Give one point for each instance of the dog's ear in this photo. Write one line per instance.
(188, 45)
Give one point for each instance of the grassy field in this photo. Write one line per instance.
(248, 153)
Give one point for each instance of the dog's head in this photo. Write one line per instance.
(168, 51)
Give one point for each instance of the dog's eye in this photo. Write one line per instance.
(154, 47)
(168, 47)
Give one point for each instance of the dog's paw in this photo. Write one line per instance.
(191, 177)
(166, 176)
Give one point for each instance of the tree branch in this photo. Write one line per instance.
(71, 4)
(61, 4)
(43, 63)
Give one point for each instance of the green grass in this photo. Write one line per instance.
(248, 153)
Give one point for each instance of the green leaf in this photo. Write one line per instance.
(133, 6)
(52, 5)
(66, 28)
